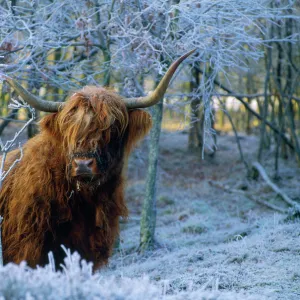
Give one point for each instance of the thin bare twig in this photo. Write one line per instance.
(5, 148)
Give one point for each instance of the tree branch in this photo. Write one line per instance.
(257, 166)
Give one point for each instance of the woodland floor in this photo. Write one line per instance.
(210, 239)
(212, 244)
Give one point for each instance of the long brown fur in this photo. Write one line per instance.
(41, 206)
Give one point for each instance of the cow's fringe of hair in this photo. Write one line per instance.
(89, 113)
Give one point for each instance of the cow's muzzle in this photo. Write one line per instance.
(84, 166)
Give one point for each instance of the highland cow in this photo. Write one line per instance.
(68, 188)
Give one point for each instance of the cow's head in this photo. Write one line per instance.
(96, 127)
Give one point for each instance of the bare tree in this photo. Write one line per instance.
(148, 218)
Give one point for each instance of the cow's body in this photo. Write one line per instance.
(44, 206)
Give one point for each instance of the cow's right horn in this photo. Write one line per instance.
(160, 90)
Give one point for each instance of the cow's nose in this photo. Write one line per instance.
(84, 167)
(84, 163)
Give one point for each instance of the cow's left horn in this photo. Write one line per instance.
(32, 100)
(160, 90)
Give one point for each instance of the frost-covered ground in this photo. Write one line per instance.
(211, 244)
(210, 239)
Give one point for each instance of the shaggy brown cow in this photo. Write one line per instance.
(68, 188)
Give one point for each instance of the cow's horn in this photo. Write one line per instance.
(160, 90)
(32, 100)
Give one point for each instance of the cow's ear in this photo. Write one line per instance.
(139, 125)
(49, 123)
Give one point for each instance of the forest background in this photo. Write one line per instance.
(239, 90)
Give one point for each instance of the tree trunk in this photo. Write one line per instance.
(148, 220)
(33, 83)
(195, 141)
(268, 57)
(33, 128)
(250, 89)
(289, 89)
(281, 122)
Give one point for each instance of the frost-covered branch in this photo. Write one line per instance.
(7, 146)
